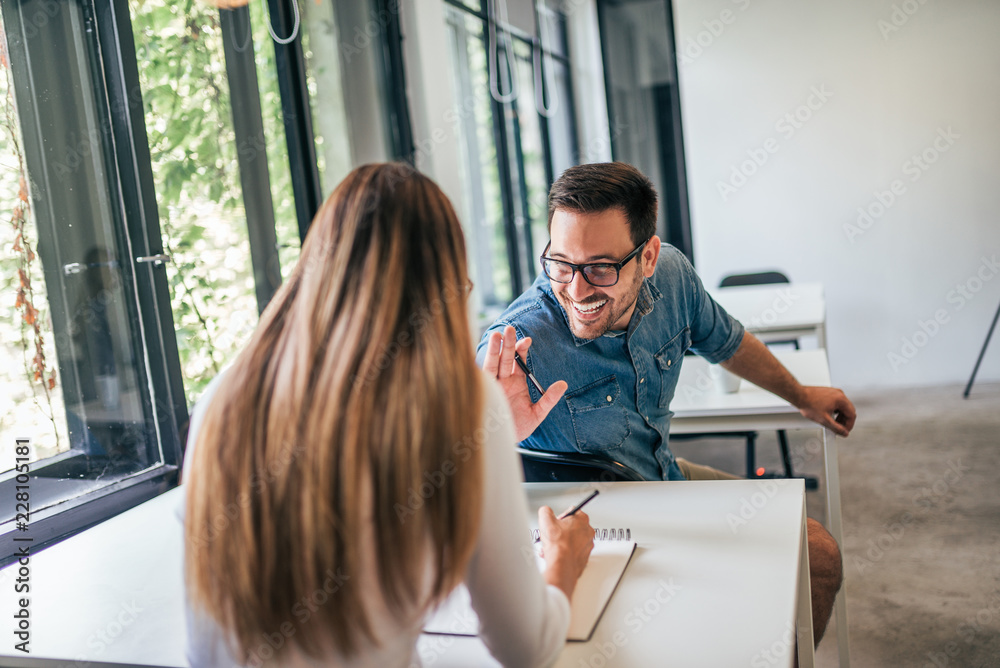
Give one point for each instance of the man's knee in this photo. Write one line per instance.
(693, 471)
(825, 561)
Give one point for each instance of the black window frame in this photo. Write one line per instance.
(134, 204)
(297, 112)
(674, 189)
(521, 257)
(135, 198)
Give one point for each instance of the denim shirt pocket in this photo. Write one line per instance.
(600, 422)
(669, 359)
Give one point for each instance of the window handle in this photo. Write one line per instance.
(78, 267)
(157, 260)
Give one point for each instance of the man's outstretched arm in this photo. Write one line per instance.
(826, 406)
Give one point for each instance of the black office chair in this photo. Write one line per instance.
(759, 278)
(546, 466)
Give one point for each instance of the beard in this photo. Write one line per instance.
(610, 313)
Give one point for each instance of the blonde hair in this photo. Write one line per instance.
(358, 383)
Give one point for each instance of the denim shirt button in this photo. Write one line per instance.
(668, 364)
(609, 398)
(642, 380)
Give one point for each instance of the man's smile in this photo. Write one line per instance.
(589, 310)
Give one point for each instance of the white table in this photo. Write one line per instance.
(113, 593)
(700, 408)
(720, 577)
(777, 312)
(703, 589)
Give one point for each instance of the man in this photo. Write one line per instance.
(607, 324)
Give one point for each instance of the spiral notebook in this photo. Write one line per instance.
(613, 550)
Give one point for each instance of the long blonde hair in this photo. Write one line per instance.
(360, 376)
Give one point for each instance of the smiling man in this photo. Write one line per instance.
(606, 325)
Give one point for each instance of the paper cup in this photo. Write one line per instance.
(725, 382)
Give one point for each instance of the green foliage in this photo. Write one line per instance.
(185, 94)
(28, 406)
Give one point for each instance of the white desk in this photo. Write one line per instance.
(114, 593)
(720, 577)
(699, 408)
(702, 589)
(777, 312)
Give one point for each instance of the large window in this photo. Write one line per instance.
(644, 105)
(93, 364)
(515, 118)
(188, 111)
(215, 112)
(160, 163)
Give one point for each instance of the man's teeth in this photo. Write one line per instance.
(590, 308)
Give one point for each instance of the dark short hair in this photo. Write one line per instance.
(600, 186)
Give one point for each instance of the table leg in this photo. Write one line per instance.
(836, 530)
(804, 623)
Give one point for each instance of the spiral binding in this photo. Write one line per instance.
(599, 534)
(613, 534)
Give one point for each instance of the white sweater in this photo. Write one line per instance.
(523, 620)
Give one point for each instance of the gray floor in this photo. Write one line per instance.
(921, 508)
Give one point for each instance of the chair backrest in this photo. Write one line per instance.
(759, 278)
(544, 466)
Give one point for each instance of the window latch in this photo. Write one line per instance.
(157, 260)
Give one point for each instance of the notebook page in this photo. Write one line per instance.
(593, 591)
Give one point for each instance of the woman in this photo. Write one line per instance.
(353, 465)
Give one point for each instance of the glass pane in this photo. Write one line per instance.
(639, 71)
(31, 400)
(338, 40)
(185, 92)
(552, 27)
(483, 208)
(527, 153)
(562, 130)
(286, 225)
(323, 75)
(79, 384)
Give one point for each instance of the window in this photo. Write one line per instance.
(644, 105)
(195, 155)
(215, 110)
(96, 374)
(515, 116)
(161, 163)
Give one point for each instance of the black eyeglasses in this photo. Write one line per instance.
(598, 274)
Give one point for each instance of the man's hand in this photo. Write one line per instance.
(499, 362)
(828, 407)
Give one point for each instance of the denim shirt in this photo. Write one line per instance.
(621, 383)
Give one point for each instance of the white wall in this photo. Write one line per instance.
(891, 86)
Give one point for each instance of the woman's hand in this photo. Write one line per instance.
(566, 547)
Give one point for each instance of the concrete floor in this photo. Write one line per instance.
(920, 482)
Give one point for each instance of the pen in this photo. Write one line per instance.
(577, 507)
(571, 511)
(531, 376)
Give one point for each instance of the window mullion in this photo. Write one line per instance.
(297, 116)
(248, 126)
(506, 186)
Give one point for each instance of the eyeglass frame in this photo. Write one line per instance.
(580, 267)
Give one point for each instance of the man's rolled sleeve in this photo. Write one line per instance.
(715, 335)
